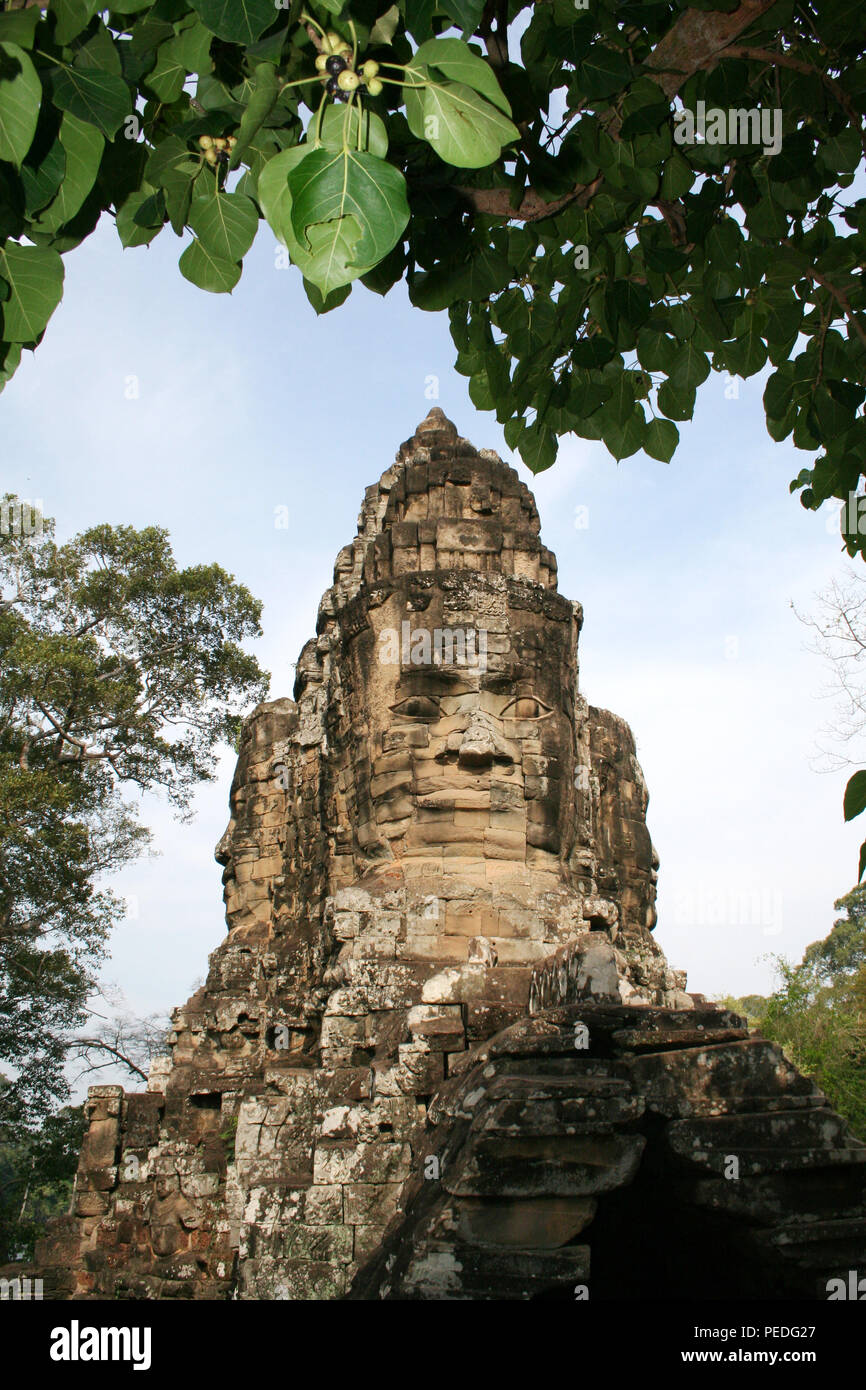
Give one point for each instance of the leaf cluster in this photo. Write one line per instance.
(533, 177)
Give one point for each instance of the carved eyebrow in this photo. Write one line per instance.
(498, 684)
(418, 682)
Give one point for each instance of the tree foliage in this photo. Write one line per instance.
(119, 673)
(840, 624)
(818, 1011)
(119, 1039)
(37, 1172)
(610, 199)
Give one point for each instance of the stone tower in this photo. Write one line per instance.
(439, 1054)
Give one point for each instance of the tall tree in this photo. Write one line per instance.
(818, 1011)
(840, 624)
(612, 199)
(839, 957)
(119, 673)
(37, 1172)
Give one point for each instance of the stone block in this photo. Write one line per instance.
(362, 1163)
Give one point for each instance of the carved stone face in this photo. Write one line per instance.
(468, 754)
(251, 848)
(436, 730)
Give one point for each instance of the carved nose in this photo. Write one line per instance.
(480, 745)
(222, 853)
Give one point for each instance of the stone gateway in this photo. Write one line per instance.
(439, 1054)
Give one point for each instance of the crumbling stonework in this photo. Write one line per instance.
(435, 849)
(617, 1152)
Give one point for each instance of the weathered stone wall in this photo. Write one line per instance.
(611, 1152)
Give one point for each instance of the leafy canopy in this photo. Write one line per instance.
(37, 1175)
(610, 199)
(119, 673)
(818, 1011)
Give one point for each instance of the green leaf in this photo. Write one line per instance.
(11, 363)
(655, 350)
(19, 26)
(644, 109)
(41, 181)
(166, 79)
(690, 367)
(20, 100)
(209, 272)
(328, 262)
(606, 71)
(72, 17)
(480, 393)
(463, 128)
(171, 164)
(386, 26)
(237, 21)
(83, 145)
(862, 861)
(95, 96)
(131, 231)
(193, 48)
(746, 354)
(99, 52)
(855, 795)
(172, 168)
(273, 191)
(225, 223)
(482, 275)
(632, 301)
(331, 259)
(324, 303)
(259, 107)
(676, 401)
(330, 184)
(419, 17)
(538, 447)
(465, 13)
(662, 438)
(623, 440)
(677, 178)
(340, 127)
(456, 60)
(35, 279)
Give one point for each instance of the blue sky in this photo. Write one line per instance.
(686, 571)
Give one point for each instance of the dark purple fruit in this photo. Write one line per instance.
(335, 65)
(331, 87)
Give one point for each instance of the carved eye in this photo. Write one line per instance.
(525, 707)
(417, 707)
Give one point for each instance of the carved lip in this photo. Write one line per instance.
(456, 799)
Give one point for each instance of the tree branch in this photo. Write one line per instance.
(85, 1045)
(840, 298)
(785, 60)
(696, 41)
